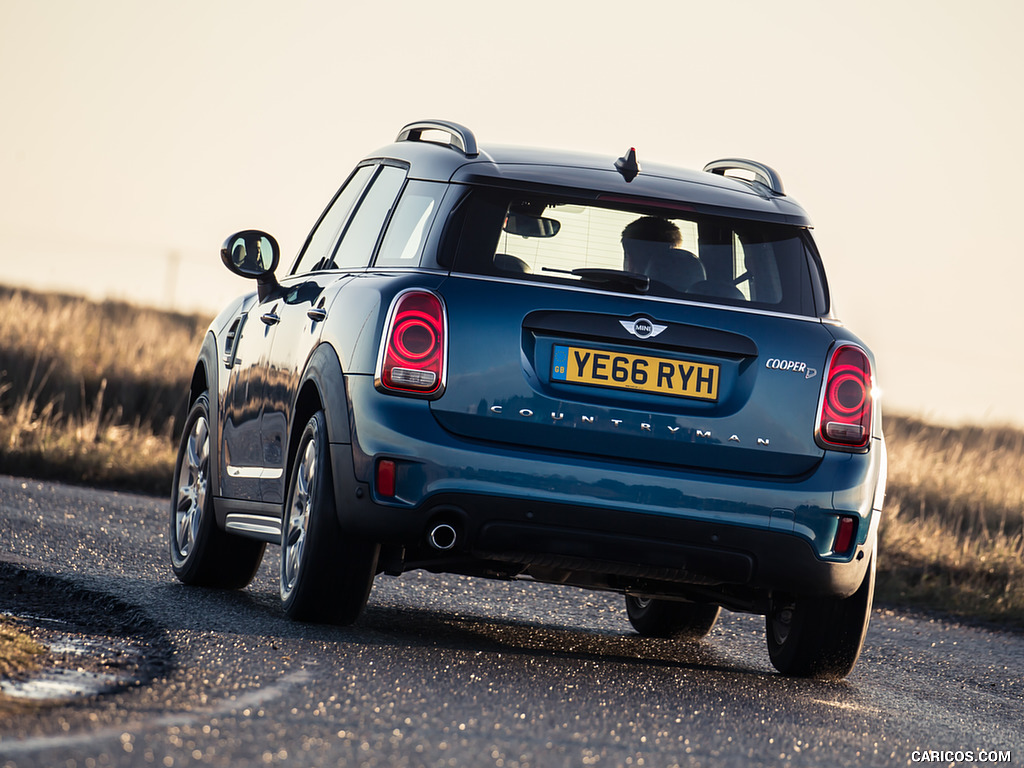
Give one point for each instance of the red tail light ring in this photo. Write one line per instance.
(413, 348)
(844, 419)
(415, 338)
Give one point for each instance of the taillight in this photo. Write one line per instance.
(845, 416)
(413, 347)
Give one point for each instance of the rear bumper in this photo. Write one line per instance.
(603, 523)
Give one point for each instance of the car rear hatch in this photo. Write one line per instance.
(661, 332)
(631, 378)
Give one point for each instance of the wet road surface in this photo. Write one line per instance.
(453, 671)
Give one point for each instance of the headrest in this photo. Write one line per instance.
(676, 268)
(507, 263)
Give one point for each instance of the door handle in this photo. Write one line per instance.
(317, 314)
(270, 318)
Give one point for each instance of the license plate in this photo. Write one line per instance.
(644, 373)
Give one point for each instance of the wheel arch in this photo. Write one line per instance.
(199, 383)
(204, 379)
(322, 387)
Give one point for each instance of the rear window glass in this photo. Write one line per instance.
(665, 253)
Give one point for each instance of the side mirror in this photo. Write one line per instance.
(250, 253)
(253, 254)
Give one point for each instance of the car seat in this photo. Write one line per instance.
(676, 269)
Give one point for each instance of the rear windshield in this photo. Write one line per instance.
(666, 253)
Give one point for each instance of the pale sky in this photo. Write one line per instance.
(135, 136)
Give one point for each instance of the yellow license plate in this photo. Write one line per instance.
(645, 373)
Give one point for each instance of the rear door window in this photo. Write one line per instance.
(360, 237)
(317, 252)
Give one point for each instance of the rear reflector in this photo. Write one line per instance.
(386, 478)
(844, 419)
(844, 535)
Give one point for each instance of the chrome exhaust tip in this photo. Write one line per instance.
(442, 537)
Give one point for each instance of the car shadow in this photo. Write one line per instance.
(384, 624)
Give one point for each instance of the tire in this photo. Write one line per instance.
(326, 575)
(201, 553)
(671, 618)
(820, 637)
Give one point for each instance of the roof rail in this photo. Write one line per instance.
(462, 138)
(762, 173)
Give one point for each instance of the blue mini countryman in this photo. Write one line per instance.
(584, 370)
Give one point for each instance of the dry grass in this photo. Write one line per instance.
(952, 535)
(92, 392)
(18, 653)
(972, 476)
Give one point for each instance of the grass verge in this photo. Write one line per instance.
(18, 653)
(92, 392)
(952, 534)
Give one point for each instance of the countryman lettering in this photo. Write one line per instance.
(579, 420)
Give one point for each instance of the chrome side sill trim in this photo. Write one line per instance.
(254, 526)
(255, 473)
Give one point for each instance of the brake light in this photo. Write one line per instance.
(413, 347)
(845, 415)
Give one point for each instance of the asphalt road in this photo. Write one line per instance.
(451, 671)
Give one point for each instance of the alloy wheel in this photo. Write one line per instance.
(299, 510)
(193, 480)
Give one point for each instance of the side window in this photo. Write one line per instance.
(403, 241)
(762, 282)
(359, 239)
(325, 235)
(739, 266)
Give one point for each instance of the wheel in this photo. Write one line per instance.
(201, 553)
(671, 618)
(326, 575)
(820, 637)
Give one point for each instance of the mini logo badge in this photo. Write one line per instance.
(642, 327)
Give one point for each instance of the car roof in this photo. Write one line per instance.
(590, 175)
